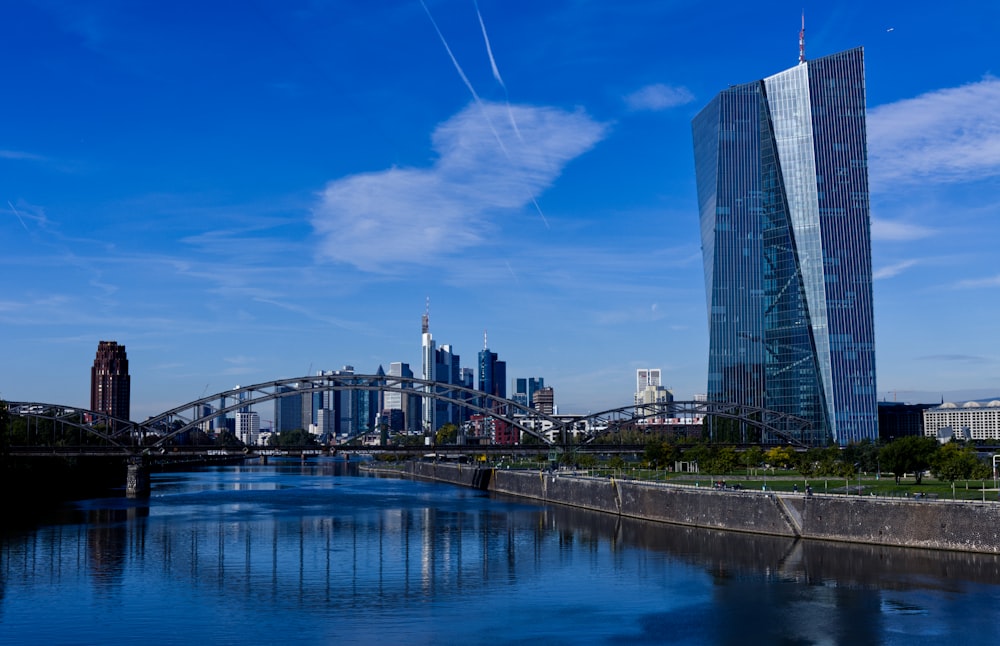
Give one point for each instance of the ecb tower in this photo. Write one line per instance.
(782, 178)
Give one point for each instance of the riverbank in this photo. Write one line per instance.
(940, 525)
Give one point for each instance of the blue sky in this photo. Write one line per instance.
(241, 192)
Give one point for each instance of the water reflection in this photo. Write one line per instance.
(408, 555)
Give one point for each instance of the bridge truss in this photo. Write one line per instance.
(161, 431)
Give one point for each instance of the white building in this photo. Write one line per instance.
(974, 420)
(248, 428)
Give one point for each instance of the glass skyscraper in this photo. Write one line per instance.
(782, 179)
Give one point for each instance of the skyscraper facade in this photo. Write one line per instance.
(492, 374)
(110, 383)
(782, 178)
(427, 364)
(287, 410)
(525, 389)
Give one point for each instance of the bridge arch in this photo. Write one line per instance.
(130, 437)
(185, 417)
(95, 425)
(788, 428)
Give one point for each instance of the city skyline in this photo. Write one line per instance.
(245, 197)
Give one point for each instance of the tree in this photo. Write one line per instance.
(911, 454)
(810, 463)
(780, 456)
(298, 437)
(864, 453)
(4, 427)
(446, 434)
(228, 440)
(660, 454)
(725, 460)
(752, 457)
(955, 462)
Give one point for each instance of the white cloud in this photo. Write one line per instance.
(896, 230)
(893, 270)
(17, 154)
(972, 283)
(379, 220)
(946, 136)
(658, 97)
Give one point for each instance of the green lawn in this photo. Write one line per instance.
(787, 481)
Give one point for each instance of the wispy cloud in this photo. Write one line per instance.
(379, 221)
(973, 283)
(893, 270)
(658, 97)
(946, 136)
(896, 230)
(963, 358)
(20, 155)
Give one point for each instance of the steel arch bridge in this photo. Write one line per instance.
(158, 432)
(788, 428)
(191, 415)
(94, 428)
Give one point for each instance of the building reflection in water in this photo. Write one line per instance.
(382, 552)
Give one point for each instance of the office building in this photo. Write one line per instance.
(898, 419)
(648, 389)
(406, 400)
(973, 420)
(248, 428)
(428, 364)
(110, 383)
(525, 389)
(545, 400)
(288, 410)
(646, 377)
(781, 167)
(492, 372)
(444, 366)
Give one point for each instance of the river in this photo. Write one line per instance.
(318, 553)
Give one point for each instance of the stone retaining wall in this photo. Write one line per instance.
(965, 526)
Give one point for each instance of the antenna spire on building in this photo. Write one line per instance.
(802, 39)
(425, 320)
(486, 346)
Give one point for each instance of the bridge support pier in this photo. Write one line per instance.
(137, 479)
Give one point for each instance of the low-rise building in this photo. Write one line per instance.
(973, 420)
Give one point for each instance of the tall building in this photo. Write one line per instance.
(525, 389)
(288, 410)
(545, 400)
(248, 427)
(492, 372)
(110, 383)
(782, 178)
(448, 370)
(405, 399)
(646, 377)
(443, 365)
(428, 361)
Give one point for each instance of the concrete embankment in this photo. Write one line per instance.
(964, 526)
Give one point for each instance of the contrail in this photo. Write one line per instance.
(18, 216)
(489, 50)
(479, 101)
(465, 79)
(496, 70)
(511, 270)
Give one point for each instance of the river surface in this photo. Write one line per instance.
(317, 553)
